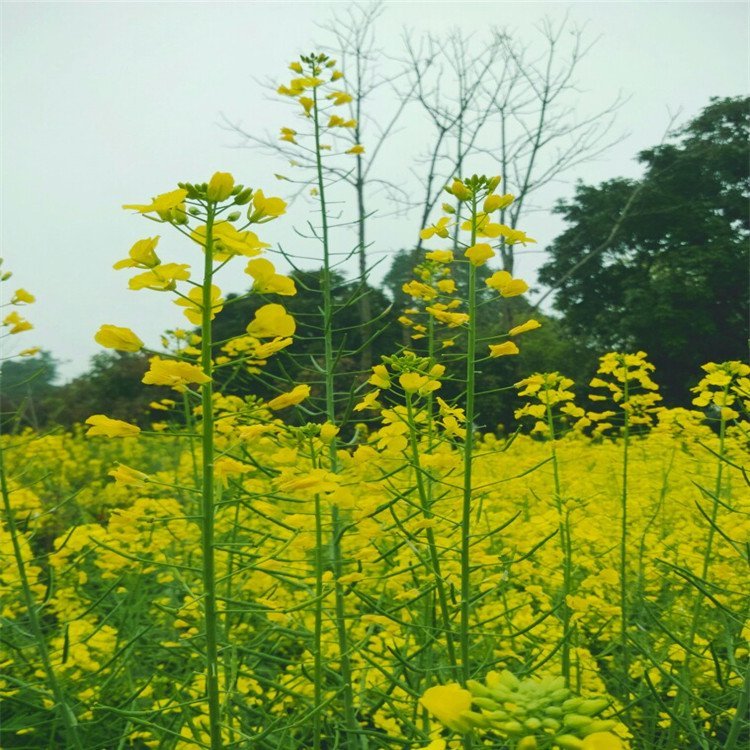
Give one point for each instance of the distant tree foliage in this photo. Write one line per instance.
(660, 263)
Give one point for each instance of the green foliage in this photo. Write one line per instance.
(660, 263)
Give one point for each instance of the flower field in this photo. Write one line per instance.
(372, 567)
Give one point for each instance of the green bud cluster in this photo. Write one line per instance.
(537, 713)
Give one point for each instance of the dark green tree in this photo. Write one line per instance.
(660, 263)
(25, 385)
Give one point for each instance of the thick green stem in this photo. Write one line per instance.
(63, 709)
(207, 499)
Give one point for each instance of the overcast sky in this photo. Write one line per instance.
(105, 103)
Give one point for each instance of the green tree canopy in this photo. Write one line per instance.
(660, 263)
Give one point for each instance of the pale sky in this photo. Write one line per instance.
(105, 103)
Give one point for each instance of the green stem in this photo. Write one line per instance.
(468, 460)
(624, 542)
(318, 627)
(352, 728)
(64, 710)
(207, 498)
(564, 542)
(431, 544)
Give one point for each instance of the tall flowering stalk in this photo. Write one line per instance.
(222, 235)
(552, 394)
(316, 75)
(628, 380)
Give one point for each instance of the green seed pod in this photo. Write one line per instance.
(598, 725)
(487, 703)
(477, 689)
(576, 721)
(244, 196)
(558, 696)
(572, 704)
(502, 694)
(592, 706)
(509, 680)
(568, 742)
(512, 727)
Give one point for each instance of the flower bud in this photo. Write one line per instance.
(234, 216)
(244, 196)
(220, 187)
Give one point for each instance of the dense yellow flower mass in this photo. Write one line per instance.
(232, 578)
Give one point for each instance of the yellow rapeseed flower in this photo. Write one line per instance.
(173, 373)
(103, 425)
(298, 394)
(120, 339)
(163, 202)
(220, 187)
(479, 254)
(447, 703)
(271, 321)
(501, 350)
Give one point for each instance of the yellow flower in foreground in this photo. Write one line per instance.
(298, 394)
(229, 241)
(141, 255)
(440, 256)
(503, 282)
(161, 278)
(501, 350)
(529, 325)
(267, 281)
(163, 202)
(121, 339)
(494, 202)
(435, 745)
(128, 477)
(413, 382)
(440, 228)
(271, 321)
(102, 425)
(267, 207)
(229, 467)
(220, 186)
(479, 254)
(175, 374)
(447, 704)
(194, 304)
(602, 741)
